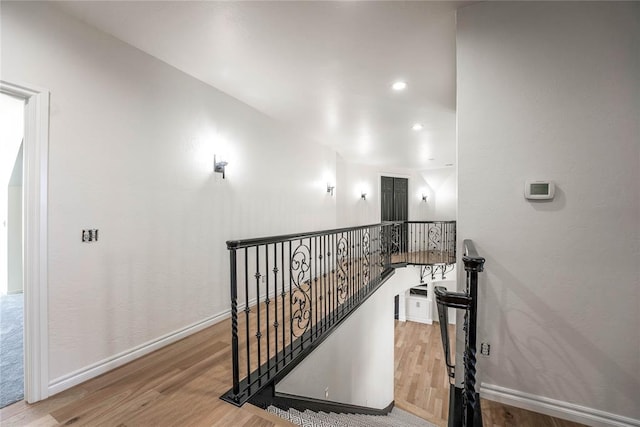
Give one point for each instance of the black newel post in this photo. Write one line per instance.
(473, 415)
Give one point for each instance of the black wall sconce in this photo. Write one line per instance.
(424, 198)
(363, 196)
(330, 188)
(219, 166)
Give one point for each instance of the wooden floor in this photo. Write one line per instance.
(180, 385)
(422, 385)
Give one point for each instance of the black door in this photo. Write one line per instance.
(395, 199)
(387, 198)
(394, 205)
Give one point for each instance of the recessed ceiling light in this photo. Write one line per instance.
(417, 126)
(399, 85)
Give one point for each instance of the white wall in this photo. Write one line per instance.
(356, 362)
(352, 179)
(14, 227)
(551, 90)
(444, 186)
(131, 147)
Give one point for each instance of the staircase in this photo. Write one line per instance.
(395, 418)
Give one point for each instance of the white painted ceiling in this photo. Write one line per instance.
(323, 68)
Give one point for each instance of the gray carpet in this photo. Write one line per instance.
(11, 349)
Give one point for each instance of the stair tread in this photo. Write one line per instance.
(396, 418)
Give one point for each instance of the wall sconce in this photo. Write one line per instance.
(363, 196)
(330, 188)
(424, 198)
(219, 166)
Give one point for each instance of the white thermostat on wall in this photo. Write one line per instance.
(539, 190)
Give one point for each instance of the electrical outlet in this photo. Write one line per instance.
(485, 349)
(90, 235)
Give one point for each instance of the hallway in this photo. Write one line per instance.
(181, 384)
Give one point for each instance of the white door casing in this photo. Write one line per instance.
(36, 148)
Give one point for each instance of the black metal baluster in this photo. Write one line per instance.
(348, 269)
(333, 289)
(290, 320)
(323, 284)
(378, 232)
(371, 271)
(445, 243)
(275, 300)
(423, 255)
(258, 326)
(415, 254)
(327, 295)
(246, 312)
(311, 284)
(318, 261)
(454, 246)
(283, 294)
(267, 302)
(360, 263)
(234, 323)
(352, 269)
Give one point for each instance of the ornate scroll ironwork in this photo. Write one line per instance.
(434, 269)
(300, 298)
(435, 235)
(365, 258)
(342, 261)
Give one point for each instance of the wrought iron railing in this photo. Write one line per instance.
(423, 242)
(288, 292)
(465, 409)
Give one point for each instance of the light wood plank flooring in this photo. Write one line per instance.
(422, 385)
(180, 385)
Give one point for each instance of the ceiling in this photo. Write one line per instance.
(322, 68)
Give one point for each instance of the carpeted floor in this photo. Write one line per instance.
(11, 349)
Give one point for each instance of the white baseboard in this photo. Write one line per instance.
(74, 378)
(81, 375)
(555, 408)
(419, 319)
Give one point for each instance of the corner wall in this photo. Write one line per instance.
(551, 90)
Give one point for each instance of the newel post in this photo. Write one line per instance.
(472, 414)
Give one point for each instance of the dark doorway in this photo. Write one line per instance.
(396, 307)
(395, 199)
(394, 206)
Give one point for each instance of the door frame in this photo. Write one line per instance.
(35, 186)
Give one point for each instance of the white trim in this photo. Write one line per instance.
(74, 378)
(555, 408)
(84, 374)
(422, 320)
(36, 149)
